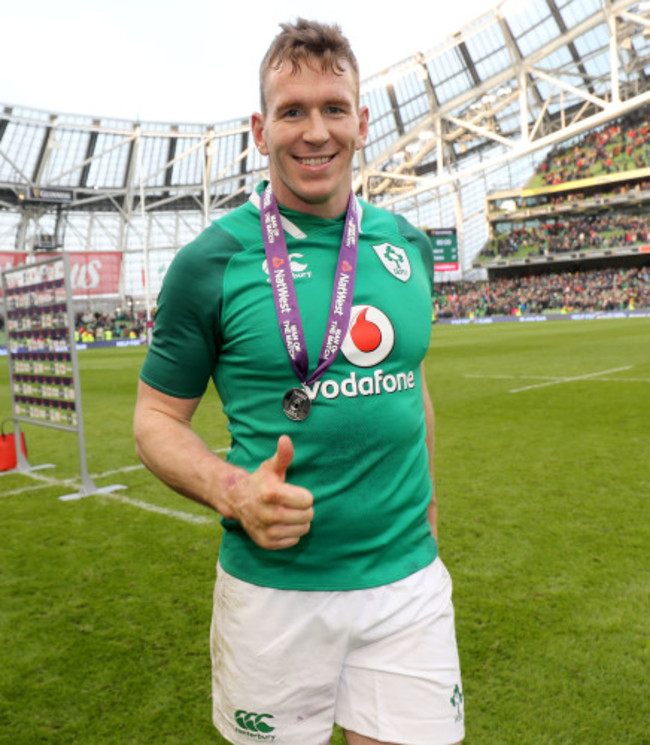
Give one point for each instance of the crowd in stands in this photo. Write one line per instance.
(620, 146)
(595, 290)
(91, 327)
(562, 235)
(616, 147)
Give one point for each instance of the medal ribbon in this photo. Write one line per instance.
(284, 292)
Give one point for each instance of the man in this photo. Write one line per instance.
(330, 602)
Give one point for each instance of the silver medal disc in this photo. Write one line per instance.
(296, 404)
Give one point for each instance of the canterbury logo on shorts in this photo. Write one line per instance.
(254, 724)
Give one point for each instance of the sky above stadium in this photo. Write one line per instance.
(190, 60)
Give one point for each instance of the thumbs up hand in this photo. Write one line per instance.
(274, 513)
(280, 461)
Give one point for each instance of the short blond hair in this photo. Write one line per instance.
(306, 42)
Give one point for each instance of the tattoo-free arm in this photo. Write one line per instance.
(274, 513)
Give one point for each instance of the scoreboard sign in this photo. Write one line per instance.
(444, 244)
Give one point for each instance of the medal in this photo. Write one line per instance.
(296, 404)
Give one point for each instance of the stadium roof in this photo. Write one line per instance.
(448, 125)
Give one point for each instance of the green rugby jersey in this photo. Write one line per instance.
(362, 450)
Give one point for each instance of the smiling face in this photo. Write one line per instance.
(310, 130)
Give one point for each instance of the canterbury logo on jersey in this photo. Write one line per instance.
(299, 267)
(254, 725)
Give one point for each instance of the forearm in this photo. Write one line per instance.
(170, 449)
(274, 513)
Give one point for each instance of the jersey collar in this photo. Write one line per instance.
(290, 227)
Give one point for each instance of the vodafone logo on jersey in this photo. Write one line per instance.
(369, 341)
(370, 338)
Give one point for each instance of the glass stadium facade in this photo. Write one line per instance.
(448, 126)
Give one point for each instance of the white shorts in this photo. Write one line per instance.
(382, 662)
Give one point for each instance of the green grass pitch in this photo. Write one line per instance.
(543, 474)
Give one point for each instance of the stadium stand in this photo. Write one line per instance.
(583, 291)
(106, 327)
(621, 146)
(560, 91)
(574, 210)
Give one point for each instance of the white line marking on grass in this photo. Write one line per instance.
(626, 380)
(25, 489)
(177, 514)
(512, 377)
(554, 377)
(569, 380)
(46, 482)
(74, 483)
(113, 471)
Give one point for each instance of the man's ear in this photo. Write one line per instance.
(363, 127)
(257, 128)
